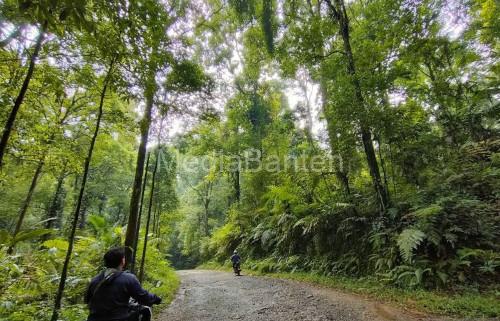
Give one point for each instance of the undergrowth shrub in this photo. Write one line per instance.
(29, 279)
(446, 235)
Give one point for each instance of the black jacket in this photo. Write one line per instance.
(111, 300)
(235, 258)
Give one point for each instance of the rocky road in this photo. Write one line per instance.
(220, 296)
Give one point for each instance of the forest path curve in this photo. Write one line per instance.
(219, 296)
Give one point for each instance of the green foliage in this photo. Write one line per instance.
(6, 239)
(319, 102)
(187, 76)
(29, 280)
(408, 241)
(427, 99)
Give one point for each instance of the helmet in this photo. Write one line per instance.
(235, 252)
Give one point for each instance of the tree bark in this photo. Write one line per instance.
(382, 165)
(206, 206)
(156, 215)
(136, 240)
(22, 92)
(158, 218)
(27, 201)
(340, 172)
(236, 184)
(56, 203)
(74, 223)
(83, 212)
(146, 236)
(131, 233)
(339, 13)
(205, 219)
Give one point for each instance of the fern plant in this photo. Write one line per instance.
(408, 241)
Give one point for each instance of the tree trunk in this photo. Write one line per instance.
(102, 204)
(205, 218)
(393, 173)
(206, 206)
(136, 240)
(340, 172)
(151, 196)
(24, 207)
(22, 92)
(83, 212)
(236, 184)
(158, 218)
(56, 203)
(74, 224)
(156, 215)
(382, 165)
(131, 233)
(340, 14)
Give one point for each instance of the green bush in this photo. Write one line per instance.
(29, 279)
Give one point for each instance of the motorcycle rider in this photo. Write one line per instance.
(236, 260)
(109, 292)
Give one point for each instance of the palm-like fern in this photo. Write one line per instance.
(408, 241)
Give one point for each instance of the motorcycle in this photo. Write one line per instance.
(237, 269)
(139, 312)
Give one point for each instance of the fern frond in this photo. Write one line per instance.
(408, 241)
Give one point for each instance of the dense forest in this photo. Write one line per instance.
(345, 138)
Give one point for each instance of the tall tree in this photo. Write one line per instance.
(20, 97)
(49, 15)
(339, 13)
(151, 48)
(76, 213)
(139, 218)
(148, 220)
(65, 109)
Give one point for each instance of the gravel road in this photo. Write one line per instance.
(220, 296)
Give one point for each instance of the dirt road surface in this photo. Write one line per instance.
(220, 296)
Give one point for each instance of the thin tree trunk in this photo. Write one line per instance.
(340, 173)
(160, 212)
(136, 240)
(119, 214)
(206, 206)
(34, 182)
(340, 14)
(101, 206)
(151, 195)
(74, 224)
(237, 187)
(24, 207)
(55, 204)
(83, 212)
(155, 216)
(131, 232)
(158, 218)
(393, 178)
(382, 165)
(22, 92)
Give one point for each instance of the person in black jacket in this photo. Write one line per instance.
(109, 293)
(236, 260)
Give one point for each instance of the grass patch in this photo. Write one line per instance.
(161, 279)
(468, 303)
